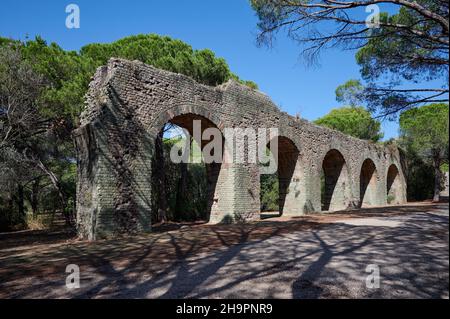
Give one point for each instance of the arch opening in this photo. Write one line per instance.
(279, 190)
(368, 184)
(184, 191)
(335, 182)
(394, 186)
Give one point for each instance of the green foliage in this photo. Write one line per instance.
(269, 192)
(354, 121)
(191, 205)
(401, 55)
(9, 219)
(424, 136)
(388, 51)
(350, 93)
(425, 129)
(251, 84)
(390, 198)
(67, 75)
(419, 178)
(165, 53)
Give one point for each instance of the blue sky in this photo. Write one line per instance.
(226, 27)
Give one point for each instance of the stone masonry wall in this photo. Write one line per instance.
(129, 102)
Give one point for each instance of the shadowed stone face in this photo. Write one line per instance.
(129, 102)
(368, 184)
(336, 193)
(395, 187)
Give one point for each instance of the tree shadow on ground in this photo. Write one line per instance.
(311, 257)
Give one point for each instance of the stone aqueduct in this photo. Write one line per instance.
(129, 102)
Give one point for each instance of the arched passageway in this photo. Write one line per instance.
(279, 190)
(368, 184)
(184, 190)
(335, 182)
(395, 192)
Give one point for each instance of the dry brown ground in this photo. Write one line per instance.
(32, 264)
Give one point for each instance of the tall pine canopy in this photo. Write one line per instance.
(354, 121)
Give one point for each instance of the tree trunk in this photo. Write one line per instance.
(182, 187)
(437, 178)
(182, 192)
(10, 204)
(10, 209)
(161, 178)
(20, 202)
(57, 184)
(34, 198)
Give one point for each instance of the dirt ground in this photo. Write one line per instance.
(314, 256)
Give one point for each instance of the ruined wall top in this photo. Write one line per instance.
(148, 89)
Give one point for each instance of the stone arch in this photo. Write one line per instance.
(289, 176)
(181, 110)
(184, 117)
(368, 184)
(394, 189)
(336, 189)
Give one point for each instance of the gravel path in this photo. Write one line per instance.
(320, 256)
